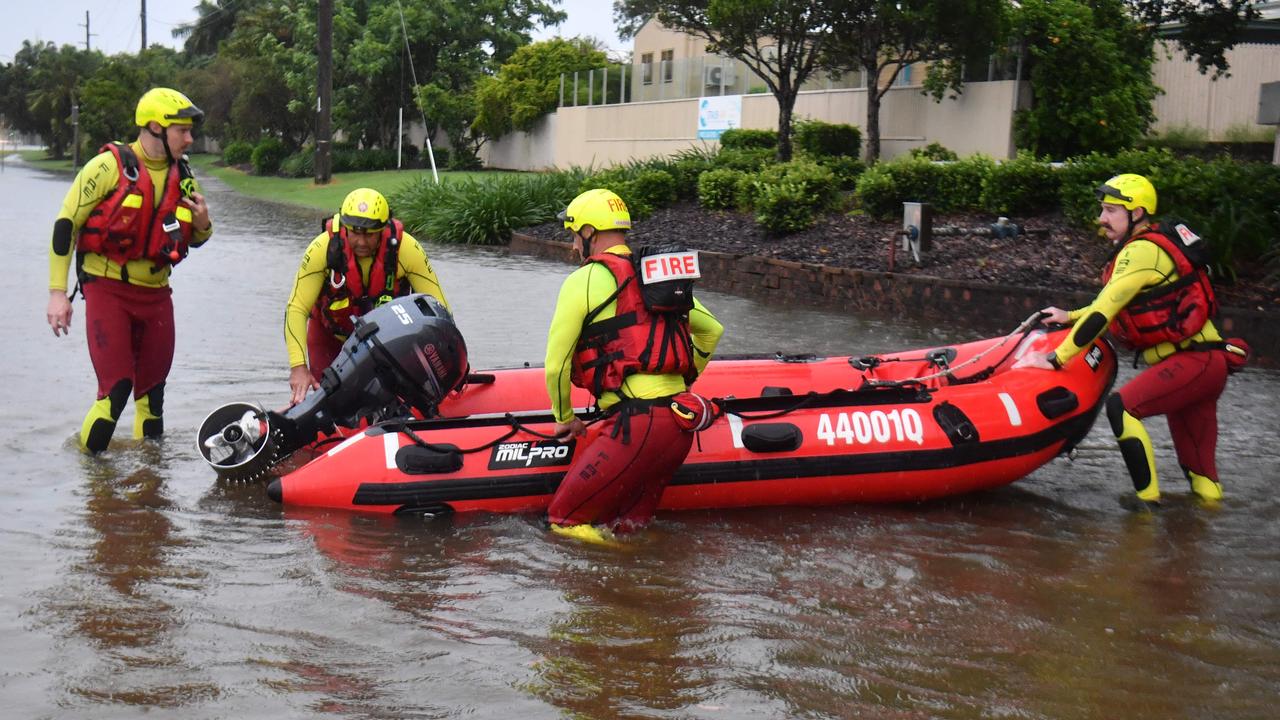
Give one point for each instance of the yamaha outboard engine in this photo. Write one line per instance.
(402, 357)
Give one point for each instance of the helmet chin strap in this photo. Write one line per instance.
(163, 135)
(586, 242)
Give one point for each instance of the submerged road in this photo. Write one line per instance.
(135, 582)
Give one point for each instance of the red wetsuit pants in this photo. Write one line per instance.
(130, 334)
(322, 348)
(618, 479)
(1185, 388)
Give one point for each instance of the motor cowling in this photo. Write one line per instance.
(402, 358)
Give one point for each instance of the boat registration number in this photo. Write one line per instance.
(877, 426)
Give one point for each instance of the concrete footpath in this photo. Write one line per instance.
(983, 307)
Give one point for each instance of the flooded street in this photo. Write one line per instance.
(136, 583)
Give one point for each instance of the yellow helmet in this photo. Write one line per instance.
(601, 209)
(167, 107)
(1130, 190)
(365, 209)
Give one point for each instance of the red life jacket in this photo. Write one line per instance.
(636, 339)
(1175, 310)
(129, 225)
(345, 295)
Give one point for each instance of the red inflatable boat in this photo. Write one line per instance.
(798, 430)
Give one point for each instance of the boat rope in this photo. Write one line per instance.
(1023, 329)
(401, 425)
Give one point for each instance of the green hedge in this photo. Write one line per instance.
(744, 139)
(818, 140)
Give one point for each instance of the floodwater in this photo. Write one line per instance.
(136, 583)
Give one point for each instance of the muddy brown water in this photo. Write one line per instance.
(136, 584)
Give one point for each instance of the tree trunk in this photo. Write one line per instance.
(873, 113)
(786, 105)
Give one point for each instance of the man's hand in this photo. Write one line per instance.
(1056, 315)
(300, 381)
(1036, 360)
(199, 211)
(59, 313)
(566, 431)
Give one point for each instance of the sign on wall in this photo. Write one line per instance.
(717, 114)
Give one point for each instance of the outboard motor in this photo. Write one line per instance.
(402, 357)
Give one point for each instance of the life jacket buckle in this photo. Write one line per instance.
(170, 225)
(336, 281)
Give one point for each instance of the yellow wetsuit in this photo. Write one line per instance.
(584, 290)
(412, 264)
(1140, 264)
(95, 181)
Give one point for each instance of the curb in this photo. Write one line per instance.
(981, 306)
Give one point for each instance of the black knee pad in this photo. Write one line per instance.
(154, 426)
(99, 436)
(119, 395)
(1115, 413)
(1135, 459)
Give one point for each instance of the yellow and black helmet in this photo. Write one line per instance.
(364, 209)
(1130, 190)
(601, 209)
(167, 107)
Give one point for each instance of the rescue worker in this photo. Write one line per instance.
(361, 259)
(1158, 300)
(637, 358)
(131, 214)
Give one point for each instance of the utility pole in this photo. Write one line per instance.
(75, 132)
(86, 31)
(324, 92)
(144, 25)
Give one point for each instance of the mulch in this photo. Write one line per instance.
(1051, 254)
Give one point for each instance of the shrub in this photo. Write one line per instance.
(464, 159)
(483, 212)
(782, 208)
(1020, 185)
(816, 182)
(846, 170)
(718, 189)
(237, 153)
(300, 164)
(642, 189)
(818, 140)
(744, 139)
(441, 155)
(934, 151)
(268, 155)
(744, 159)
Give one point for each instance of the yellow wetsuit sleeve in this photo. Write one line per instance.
(94, 183)
(306, 289)
(1139, 264)
(705, 331)
(416, 266)
(585, 288)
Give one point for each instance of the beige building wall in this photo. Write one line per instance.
(980, 120)
(1214, 105)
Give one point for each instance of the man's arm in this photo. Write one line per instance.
(415, 266)
(94, 182)
(705, 331)
(1140, 264)
(311, 277)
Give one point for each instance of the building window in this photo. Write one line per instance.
(904, 76)
(668, 59)
(646, 68)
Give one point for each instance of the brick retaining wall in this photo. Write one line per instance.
(983, 307)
